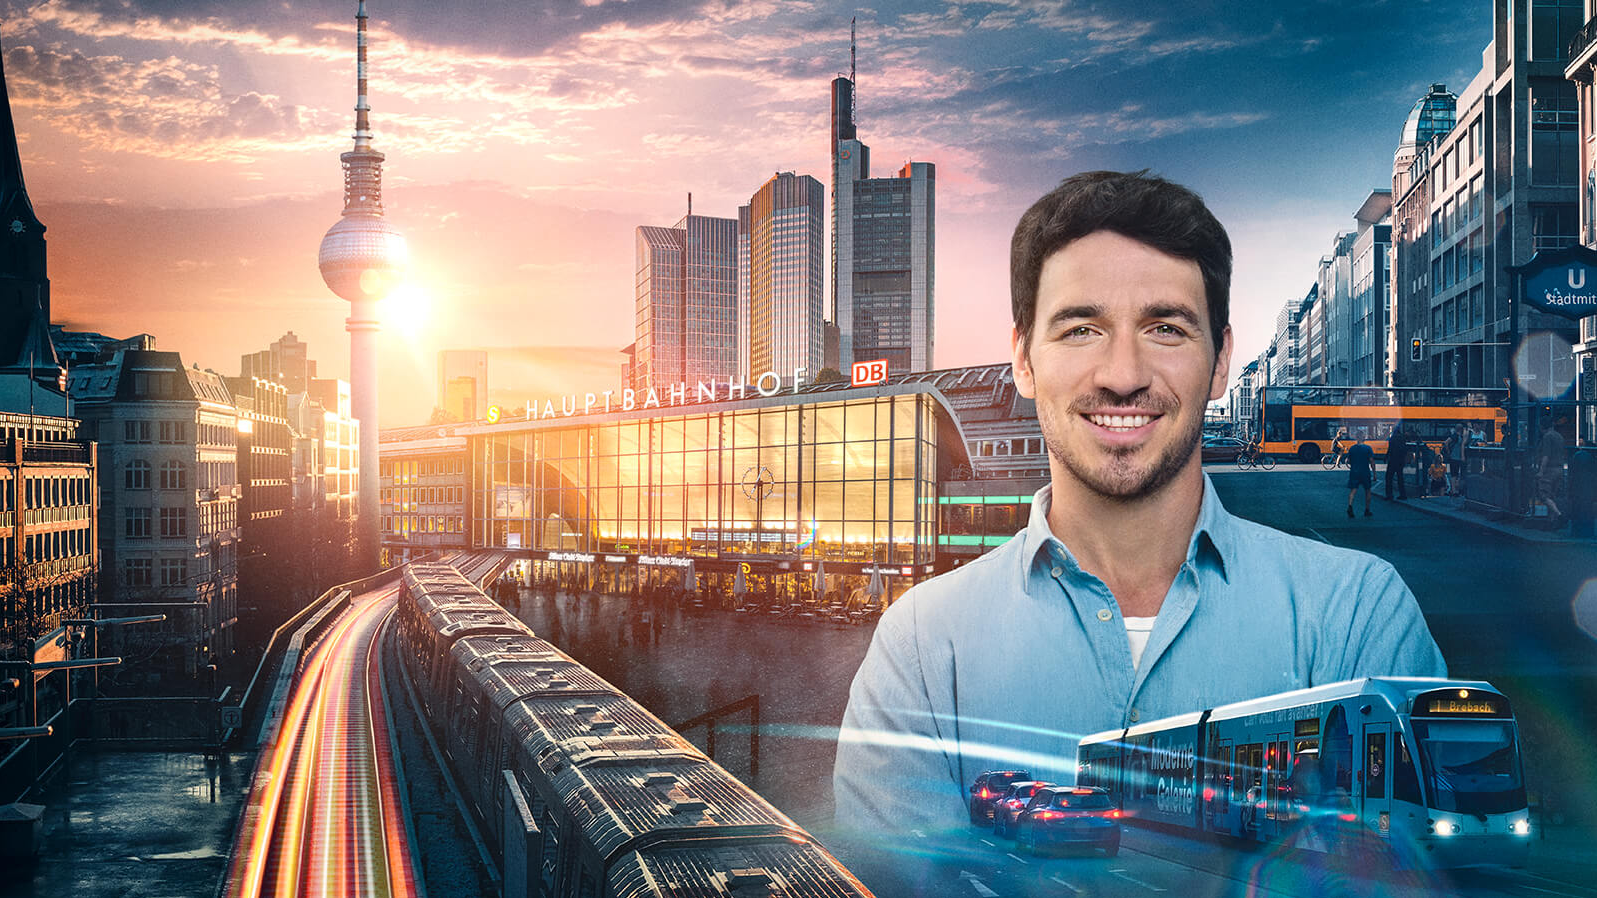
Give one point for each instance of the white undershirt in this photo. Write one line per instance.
(1137, 630)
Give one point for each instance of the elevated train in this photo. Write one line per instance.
(1427, 771)
(579, 790)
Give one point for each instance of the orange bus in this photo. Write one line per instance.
(1302, 421)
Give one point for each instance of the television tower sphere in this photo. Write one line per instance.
(362, 258)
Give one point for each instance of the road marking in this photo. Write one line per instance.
(1065, 884)
(918, 834)
(1317, 535)
(978, 885)
(1548, 891)
(1121, 872)
(1018, 858)
(989, 844)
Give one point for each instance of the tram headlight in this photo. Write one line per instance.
(1445, 827)
(1519, 827)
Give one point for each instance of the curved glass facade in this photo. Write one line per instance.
(1433, 114)
(850, 480)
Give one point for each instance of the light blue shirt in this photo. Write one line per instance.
(1011, 659)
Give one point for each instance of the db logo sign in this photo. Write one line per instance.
(867, 373)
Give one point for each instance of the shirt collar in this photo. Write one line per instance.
(1213, 536)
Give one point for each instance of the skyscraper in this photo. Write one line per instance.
(785, 288)
(287, 362)
(686, 302)
(463, 384)
(361, 259)
(883, 236)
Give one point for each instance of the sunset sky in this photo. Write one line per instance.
(184, 153)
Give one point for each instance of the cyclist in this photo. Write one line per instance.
(1337, 449)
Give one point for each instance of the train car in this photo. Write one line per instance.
(1426, 770)
(579, 790)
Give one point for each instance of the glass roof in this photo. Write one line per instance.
(1433, 115)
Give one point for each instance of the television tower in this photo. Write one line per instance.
(362, 257)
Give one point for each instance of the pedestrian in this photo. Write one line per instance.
(1435, 472)
(1396, 458)
(1550, 457)
(1454, 450)
(1360, 473)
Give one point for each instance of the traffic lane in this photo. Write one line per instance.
(1495, 603)
(980, 864)
(325, 819)
(1154, 862)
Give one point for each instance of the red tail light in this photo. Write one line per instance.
(1049, 815)
(1208, 794)
(985, 793)
(1115, 813)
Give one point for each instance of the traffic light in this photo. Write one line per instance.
(1416, 354)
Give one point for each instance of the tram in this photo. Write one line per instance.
(1427, 771)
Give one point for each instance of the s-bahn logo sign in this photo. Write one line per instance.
(1563, 282)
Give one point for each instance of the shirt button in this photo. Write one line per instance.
(1134, 715)
(1105, 614)
(1057, 572)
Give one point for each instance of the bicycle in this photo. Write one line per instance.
(1255, 459)
(1332, 460)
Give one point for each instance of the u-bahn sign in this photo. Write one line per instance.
(1563, 282)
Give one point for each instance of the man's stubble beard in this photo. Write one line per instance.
(1119, 480)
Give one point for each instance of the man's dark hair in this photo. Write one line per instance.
(1150, 210)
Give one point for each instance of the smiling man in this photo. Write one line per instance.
(1132, 594)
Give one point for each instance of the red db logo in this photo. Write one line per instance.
(867, 373)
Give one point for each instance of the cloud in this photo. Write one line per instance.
(164, 107)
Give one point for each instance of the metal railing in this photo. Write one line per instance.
(710, 718)
(1582, 40)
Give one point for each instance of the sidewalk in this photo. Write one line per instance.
(136, 823)
(1459, 509)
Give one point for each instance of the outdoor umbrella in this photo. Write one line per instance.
(876, 587)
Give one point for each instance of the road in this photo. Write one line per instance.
(1500, 608)
(322, 817)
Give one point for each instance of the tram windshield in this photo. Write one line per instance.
(1471, 766)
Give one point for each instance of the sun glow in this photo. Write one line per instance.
(407, 310)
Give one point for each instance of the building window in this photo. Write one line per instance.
(136, 572)
(1555, 141)
(137, 475)
(174, 476)
(174, 571)
(1554, 226)
(136, 523)
(174, 522)
(1553, 24)
(173, 431)
(136, 432)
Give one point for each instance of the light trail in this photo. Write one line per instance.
(323, 814)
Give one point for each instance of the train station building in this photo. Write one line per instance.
(813, 489)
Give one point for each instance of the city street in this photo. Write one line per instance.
(1499, 606)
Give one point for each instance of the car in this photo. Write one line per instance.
(1009, 805)
(987, 789)
(1222, 449)
(1071, 815)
